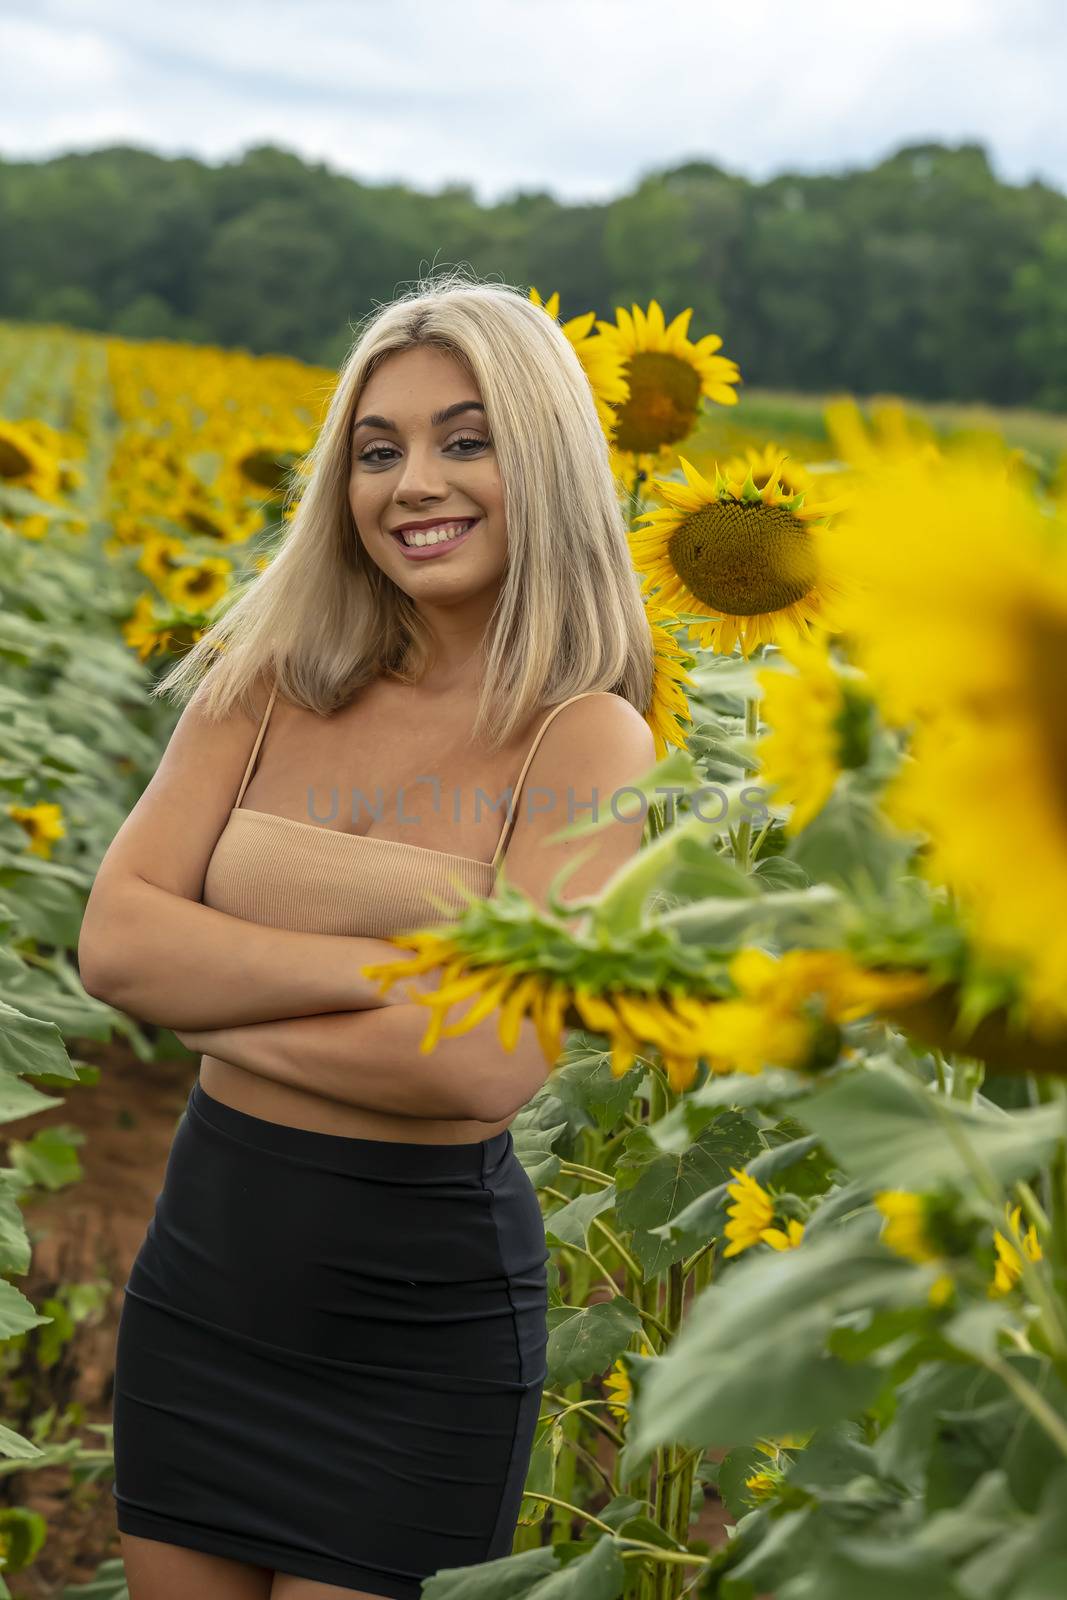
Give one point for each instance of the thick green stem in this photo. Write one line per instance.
(664, 1481)
(573, 1510)
(1030, 1399)
(633, 1267)
(578, 1276)
(588, 1408)
(646, 1298)
(1035, 1282)
(592, 1173)
(680, 1526)
(743, 838)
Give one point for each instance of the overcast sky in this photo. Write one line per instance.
(579, 97)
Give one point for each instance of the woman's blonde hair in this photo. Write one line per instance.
(322, 619)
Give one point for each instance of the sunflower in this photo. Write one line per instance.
(218, 519)
(772, 461)
(1008, 1268)
(669, 705)
(820, 724)
(145, 632)
(199, 586)
(161, 557)
(905, 1232)
(630, 1021)
(769, 1023)
(892, 434)
(763, 1486)
(516, 994)
(43, 823)
(267, 462)
(904, 1228)
(752, 1218)
(848, 990)
(748, 559)
(25, 461)
(618, 1385)
(958, 616)
(605, 366)
(667, 376)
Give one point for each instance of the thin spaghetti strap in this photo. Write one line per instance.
(510, 818)
(255, 747)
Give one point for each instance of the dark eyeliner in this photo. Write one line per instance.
(467, 438)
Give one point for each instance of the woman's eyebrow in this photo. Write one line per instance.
(435, 421)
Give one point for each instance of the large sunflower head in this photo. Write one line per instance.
(769, 462)
(667, 376)
(957, 612)
(746, 558)
(604, 364)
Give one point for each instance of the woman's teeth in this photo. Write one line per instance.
(437, 534)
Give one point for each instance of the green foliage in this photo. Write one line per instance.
(924, 276)
(751, 1361)
(886, 1128)
(22, 1533)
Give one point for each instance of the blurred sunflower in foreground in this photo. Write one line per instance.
(892, 433)
(748, 558)
(957, 612)
(821, 724)
(783, 1012)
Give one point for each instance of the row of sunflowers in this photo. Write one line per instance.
(803, 1153)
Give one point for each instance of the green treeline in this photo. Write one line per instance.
(924, 276)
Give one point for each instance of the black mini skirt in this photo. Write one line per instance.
(331, 1352)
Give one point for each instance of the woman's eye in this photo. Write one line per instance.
(376, 452)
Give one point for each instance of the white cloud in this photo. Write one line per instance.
(576, 96)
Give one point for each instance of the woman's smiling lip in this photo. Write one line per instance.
(416, 552)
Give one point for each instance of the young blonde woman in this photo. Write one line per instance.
(331, 1353)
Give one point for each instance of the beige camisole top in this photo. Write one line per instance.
(309, 878)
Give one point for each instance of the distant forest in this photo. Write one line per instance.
(923, 276)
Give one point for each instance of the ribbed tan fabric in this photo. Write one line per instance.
(310, 878)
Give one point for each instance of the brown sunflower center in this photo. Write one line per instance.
(268, 469)
(202, 521)
(200, 582)
(744, 558)
(14, 461)
(663, 405)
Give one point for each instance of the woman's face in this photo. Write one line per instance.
(409, 468)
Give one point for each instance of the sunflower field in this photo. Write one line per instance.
(802, 1145)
